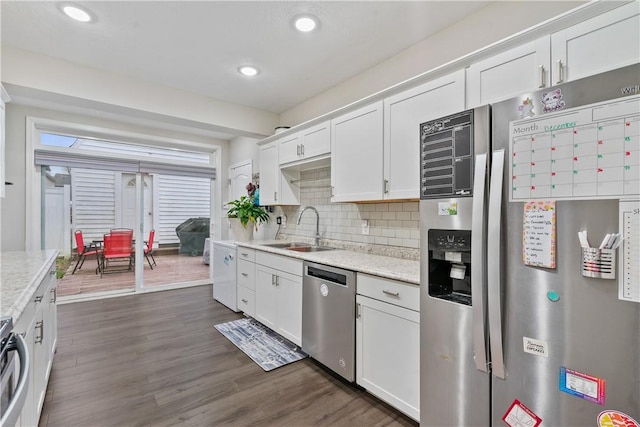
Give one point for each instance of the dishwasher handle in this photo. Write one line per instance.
(327, 276)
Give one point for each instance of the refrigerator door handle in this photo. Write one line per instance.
(494, 236)
(478, 260)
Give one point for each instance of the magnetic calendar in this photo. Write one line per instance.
(589, 152)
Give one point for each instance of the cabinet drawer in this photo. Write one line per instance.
(392, 291)
(246, 301)
(246, 254)
(247, 274)
(279, 262)
(37, 301)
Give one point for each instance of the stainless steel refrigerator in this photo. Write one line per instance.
(521, 325)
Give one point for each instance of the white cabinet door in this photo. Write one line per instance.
(269, 174)
(403, 114)
(316, 140)
(606, 42)
(277, 187)
(289, 306)
(356, 155)
(290, 148)
(511, 73)
(266, 296)
(388, 353)
(4, 97)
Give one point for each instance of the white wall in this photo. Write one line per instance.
(60, 81)
(13, 206)
(492, 23)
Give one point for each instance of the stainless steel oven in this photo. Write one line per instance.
(13, 391)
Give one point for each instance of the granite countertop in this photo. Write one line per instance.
(405, 270)
(20, 275)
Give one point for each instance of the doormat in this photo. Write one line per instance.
(261, 344)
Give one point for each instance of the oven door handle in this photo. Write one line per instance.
(14, 408)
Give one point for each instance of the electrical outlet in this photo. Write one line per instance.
(279, 220)
(365, 227)
(284, 221)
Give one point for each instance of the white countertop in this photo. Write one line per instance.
(20, 275)
(384, 266)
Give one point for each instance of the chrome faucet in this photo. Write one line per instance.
(317, 237)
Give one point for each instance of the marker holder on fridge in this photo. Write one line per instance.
(599, 263)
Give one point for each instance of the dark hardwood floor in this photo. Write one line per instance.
(156, 360)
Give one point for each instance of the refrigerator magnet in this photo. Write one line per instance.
(581, 385)
(519, 415)
(613, 418)
(447, 208)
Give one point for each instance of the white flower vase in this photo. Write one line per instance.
(240, 233)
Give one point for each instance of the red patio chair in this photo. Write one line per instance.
(117, 247)
(84, 251)
(148, 249)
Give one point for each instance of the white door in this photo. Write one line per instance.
(240, 175)
(128, 202)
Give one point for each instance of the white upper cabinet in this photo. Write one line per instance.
(606, 42)
(356, 155)
(276, 187)
(289, 148)
(403, 114)
(513, 72)
(316, 140)
(306, 144)
(269, 171)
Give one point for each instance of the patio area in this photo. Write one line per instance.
(170, 268)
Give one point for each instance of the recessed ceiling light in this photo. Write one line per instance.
(305, 24)
(76, 13)
(247, 70)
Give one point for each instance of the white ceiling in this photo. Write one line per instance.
(197, 46)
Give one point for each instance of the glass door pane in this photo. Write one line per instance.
(81, 206)
(177, 212)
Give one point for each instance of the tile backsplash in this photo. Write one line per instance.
(393, 226)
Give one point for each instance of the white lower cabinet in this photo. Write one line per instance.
(38, 325)
(278, 295)
(246, 279)
(388, 344)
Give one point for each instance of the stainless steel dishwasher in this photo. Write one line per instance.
(328, 317)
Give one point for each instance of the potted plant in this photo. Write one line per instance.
(244, 216)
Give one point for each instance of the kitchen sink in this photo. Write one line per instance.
(309, 248)
(285, 245)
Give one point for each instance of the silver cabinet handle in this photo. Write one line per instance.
(40, 325)
(275, 196)
(559, 72)
(244, 301)
(244, 254)
(358, 314)
(302, 149)
(273, 280)
(38, 298)
(245, 274)
(478, 258)
(385, 184)
(393, 294)
(541, 76)
(54, 294)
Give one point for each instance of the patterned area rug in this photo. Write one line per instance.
(265, 347)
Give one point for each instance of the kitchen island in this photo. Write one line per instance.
(28, 287)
